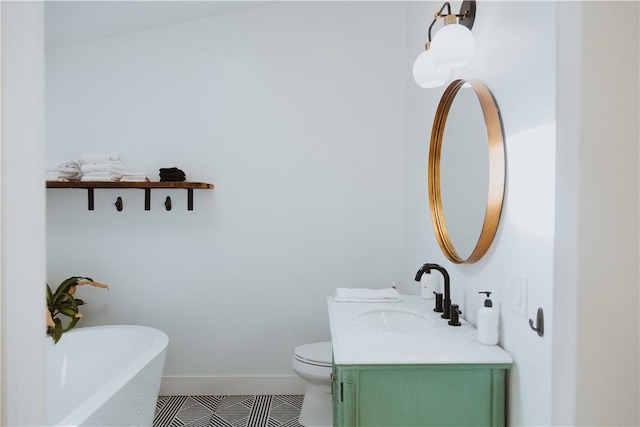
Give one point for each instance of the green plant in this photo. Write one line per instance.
(63, 302)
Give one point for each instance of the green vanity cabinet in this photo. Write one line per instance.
(403, 365)
(419, 395)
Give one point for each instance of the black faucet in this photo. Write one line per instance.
(426, 268)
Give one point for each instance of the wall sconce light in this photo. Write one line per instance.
(452, 47)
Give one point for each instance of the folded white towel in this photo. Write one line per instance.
(71, 164)
(101, 167)
(134, 174)
(68, 169)
(133, 179)
(73, 176)
(367, 295)
(113, 173)
(98, 157)
(89, 178)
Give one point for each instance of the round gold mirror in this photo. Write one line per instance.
(466, 171)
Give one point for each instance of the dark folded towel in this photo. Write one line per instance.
(172, 174)
(170, 170)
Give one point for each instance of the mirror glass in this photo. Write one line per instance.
(466, 171)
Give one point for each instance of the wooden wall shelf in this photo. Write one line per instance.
(146, 186)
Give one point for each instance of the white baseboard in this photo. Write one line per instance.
(231, 385)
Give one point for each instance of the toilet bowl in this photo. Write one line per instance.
(312, 363)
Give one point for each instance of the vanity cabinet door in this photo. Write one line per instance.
(345, 386)
(419, 395)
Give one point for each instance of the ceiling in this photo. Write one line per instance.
(68, 22)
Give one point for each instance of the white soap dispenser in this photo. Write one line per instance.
(487, 322)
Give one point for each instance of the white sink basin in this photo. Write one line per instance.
(394, 319)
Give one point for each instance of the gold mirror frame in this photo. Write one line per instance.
(496, 171)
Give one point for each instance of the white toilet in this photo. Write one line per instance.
(312, 362)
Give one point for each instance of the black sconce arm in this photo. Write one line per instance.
(466, 16)
(439, 15)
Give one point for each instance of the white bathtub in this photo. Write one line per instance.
(104, 376)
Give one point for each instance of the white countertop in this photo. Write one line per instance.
(438, 343)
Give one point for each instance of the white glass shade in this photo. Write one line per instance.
(453, 46)
(426, 74)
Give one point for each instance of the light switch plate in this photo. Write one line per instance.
(516, 293)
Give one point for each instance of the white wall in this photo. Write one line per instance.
(515, 58)
(596, 354)
(296, 112)
(23, 217)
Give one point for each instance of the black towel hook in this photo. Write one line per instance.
(539, 328)
(118, 204)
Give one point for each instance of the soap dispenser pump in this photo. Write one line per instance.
(487, 322)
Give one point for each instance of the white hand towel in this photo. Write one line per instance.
(367, 295)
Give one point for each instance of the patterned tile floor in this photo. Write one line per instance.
(228, 411)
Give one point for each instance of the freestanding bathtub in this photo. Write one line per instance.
(104, 376)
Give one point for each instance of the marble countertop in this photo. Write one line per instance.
(438, 343)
